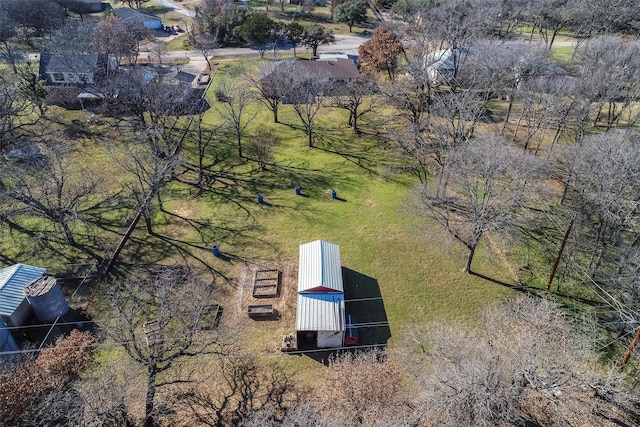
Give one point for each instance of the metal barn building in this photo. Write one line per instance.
(14, 307)
(320, 314)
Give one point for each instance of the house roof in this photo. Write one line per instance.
(131, 15)
(444, 60)
(319, 268)
(56, 63)
(182, 77)
(320, 312)
(13, 281)
(337, 68)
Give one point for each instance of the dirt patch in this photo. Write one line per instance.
(265, 336)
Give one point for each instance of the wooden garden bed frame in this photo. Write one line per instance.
(266, 283)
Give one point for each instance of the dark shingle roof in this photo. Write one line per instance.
(337, 68)
(131, 15)
(71, 64)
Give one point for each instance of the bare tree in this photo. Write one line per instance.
(609, 71)
(357, 97)
(19, 109)
(479, 190)
(237, 97)
(159, 322)
(150, 164)
(105, 392)
(203, 42)
(525, 361)
(112, 38)
(306, 92)
(262, 145)
(52, 188)
(243, 388)
(7, 38)
(367, 391)
(271, 84)
(600, 176)
(204, 135)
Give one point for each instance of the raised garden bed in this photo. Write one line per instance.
(211, 316)
(263, 311)
(266, 283)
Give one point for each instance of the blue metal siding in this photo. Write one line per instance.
(13, 280)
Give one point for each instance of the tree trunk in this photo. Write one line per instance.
(67, 232)
(315, 50)
(275, 114)
(509, 108)
(239, 145)
(147, 221)
(467, 266)
(310, 134)
(151, 392)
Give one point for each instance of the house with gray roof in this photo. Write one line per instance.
(133, 18)
(74, 69)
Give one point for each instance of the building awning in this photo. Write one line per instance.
(320, 312)
(319, 268)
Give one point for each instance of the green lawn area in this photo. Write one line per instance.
(562, 53)
(418, 270)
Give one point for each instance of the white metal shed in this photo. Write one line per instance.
(321, 311)
(319, 268)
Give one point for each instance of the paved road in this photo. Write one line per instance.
(343, 44)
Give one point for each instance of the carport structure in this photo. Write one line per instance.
(320, 313)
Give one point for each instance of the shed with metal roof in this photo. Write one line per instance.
(14, 307)
(319, 267)
(320, 313)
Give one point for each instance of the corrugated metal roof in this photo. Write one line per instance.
(319, 268)
(320, 312)
(13, 280)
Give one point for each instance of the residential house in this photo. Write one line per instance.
(337, 72)
(73, 78)
(74, 69)
(82, 7)
(133, 18)
(442, 65)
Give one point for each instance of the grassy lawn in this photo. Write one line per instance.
(415, 266)
(562, 53)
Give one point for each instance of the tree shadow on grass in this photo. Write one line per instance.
(362, 152)
(242, 188)
(536, 292)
